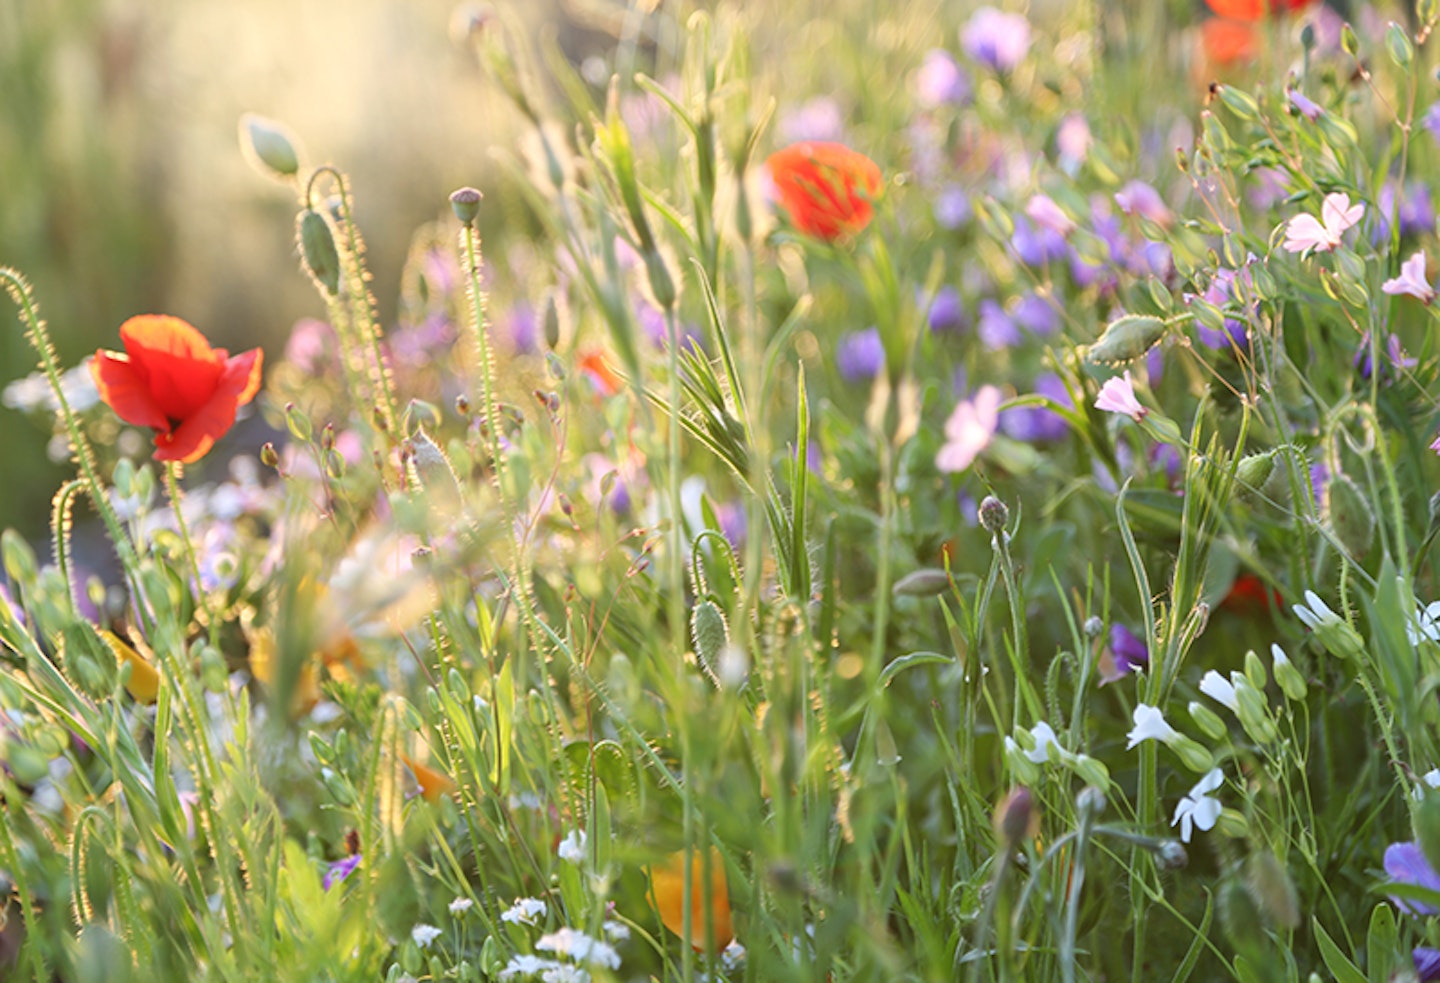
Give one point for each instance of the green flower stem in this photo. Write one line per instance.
(19, 290)
(364, 305)
(172, 488)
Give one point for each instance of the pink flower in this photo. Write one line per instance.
(1435, 445)
(1411, 280)
(969, 429)
(1118, 396)
(1306, 233)
(1045, 213)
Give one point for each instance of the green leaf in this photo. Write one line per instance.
(1339, 965)
(1382, 943)
(910, 661)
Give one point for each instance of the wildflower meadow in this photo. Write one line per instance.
(843, 492)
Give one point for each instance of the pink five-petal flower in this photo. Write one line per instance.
(1411, 280)
(1118, 396)
(1306, 233)
(969, 429)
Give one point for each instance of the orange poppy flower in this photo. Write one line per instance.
(827, 189)
(170, 380)
(667, 893)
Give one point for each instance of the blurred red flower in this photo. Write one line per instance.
(1255, 9)
(170, 380)
(827, 189)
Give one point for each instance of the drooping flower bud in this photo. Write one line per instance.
(270, 145)
(1016, 819)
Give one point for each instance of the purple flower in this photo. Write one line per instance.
(1431, 120)
(996, 39)
(1151, 259)
(946, 311)
(1036, 315)
(952, 207)
(1406, 864)
(1319, 475)
(817, 121)
(969, 430)
(340, 870)
(1220, 292)
(1037, 245)
(1039, 424)
(860, 355)
(1129, 650)
(1166, 458)
(1305, 106)
(1415, 211)
(997, 330)
(524, 329)
(1427, 963)
(1139, 198)
(311, 345)
(1394, 356)
(939, 81)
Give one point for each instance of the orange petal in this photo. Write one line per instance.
(433, 784)
(122, 389)
(667, 892)
(144, 682)
(1228, 41)
(174, 361)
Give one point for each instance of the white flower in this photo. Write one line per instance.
(1150, 723)
(527, 965)
(1219, 689)
(524, 911)
(572, 848)
(1044, 736)
(579, 947)
(1314, 612)
(1425, 624)
(1198, 808)
(461, 905)
(424, 935)
(616, 931)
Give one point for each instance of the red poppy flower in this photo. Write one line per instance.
(1255, 9)
(170, 380)
(827, 189)
(1228, 41)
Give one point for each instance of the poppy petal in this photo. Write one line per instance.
(242, 374)
(198, 432)
(125, 392)
(1238, 9)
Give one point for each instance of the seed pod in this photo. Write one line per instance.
(1126, 339)
(318, 252)
(466, 204)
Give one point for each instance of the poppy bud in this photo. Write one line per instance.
(268, 455)
(318, 252)
(466, 205)
(926, 582)
(1272, 889)
(551, 321)
(993, 514)
(1016, 819)
(298, 423)
(1349, 515)
(269, 145)
(710, 632)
